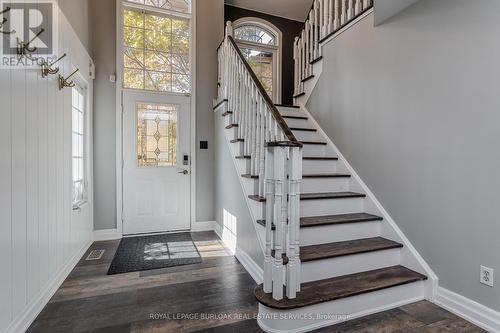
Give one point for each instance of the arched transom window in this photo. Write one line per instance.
(260, 43)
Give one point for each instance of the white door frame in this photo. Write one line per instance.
(119, 122)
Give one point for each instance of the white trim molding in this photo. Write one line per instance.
(202, 226)
(26, 318)
(107, 234)
(469, 310)
(255, 271)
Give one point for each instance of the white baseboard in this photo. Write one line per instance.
(218, 229)
(248, 263)
(468, 309)
(29, 314)
(106, 234)
(202, 226)
(251, 266)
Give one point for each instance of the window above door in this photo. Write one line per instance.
(156, 48)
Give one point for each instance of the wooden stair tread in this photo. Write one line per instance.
(316, 221)
(243, 157)
(295, 117)
(314, 196)
(303, 129)
(316, 60)
(299, 94)
(326, 175)
(331, 195)
(231, 126)
(319, 143)
(316, 292)
(308, 78)
(313, 175)
(247, 175)
(227, 113)
(287, 106)
(237, 140)
(345, 248)
(313, 221)
(320, 158)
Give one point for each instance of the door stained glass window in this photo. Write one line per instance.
(156, 134)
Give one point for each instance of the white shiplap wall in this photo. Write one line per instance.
(41, 238)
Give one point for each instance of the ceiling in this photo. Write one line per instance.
(291, 9)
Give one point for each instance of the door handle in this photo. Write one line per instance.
(185, 172)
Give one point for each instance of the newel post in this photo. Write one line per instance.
(229, 28)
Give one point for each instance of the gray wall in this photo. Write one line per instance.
(209, 35)
(229, 197)
(77, 13)
(103, 22)
(413, 104)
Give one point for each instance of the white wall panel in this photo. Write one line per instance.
(40, 235)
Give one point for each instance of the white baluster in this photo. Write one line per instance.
(352, 9)
(330, 16)
(327, 17)
(296, 66)
(280, 221)
(317, 48)
(253, 115)
(337, 14)
(262, 135)
(293, 267)
(268, 260)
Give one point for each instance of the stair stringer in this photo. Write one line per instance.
(256, 209)
(389, 229)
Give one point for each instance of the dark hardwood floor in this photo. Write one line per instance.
(213, 296)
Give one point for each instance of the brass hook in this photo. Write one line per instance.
(7, 9)
(23, 48)
(64, 83)
(4, 21)
(47, 67)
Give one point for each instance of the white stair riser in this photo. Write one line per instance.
(307, 136)
(310, 185)
(332, 267)
(331, 206)
(278, 321)
(291, 122)
(339, 232)
(319, 166)
(289, 111)
(314, 150)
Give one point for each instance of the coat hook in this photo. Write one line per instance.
(63, 82)
(47, 67)
(7, 9)
(23, 48)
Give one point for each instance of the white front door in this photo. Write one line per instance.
(156, 166)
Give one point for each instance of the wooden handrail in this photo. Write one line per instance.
(276, 114)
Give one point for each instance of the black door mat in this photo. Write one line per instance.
(144, 253)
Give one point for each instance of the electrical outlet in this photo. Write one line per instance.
(487, 275)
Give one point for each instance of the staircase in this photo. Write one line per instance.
(332, 252)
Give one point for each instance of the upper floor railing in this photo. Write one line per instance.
(275, 160)
(326, 17)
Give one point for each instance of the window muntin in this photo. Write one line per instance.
(156, 52)
(182, 6)
(78, 144)
(255, 34)
(156, 135)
